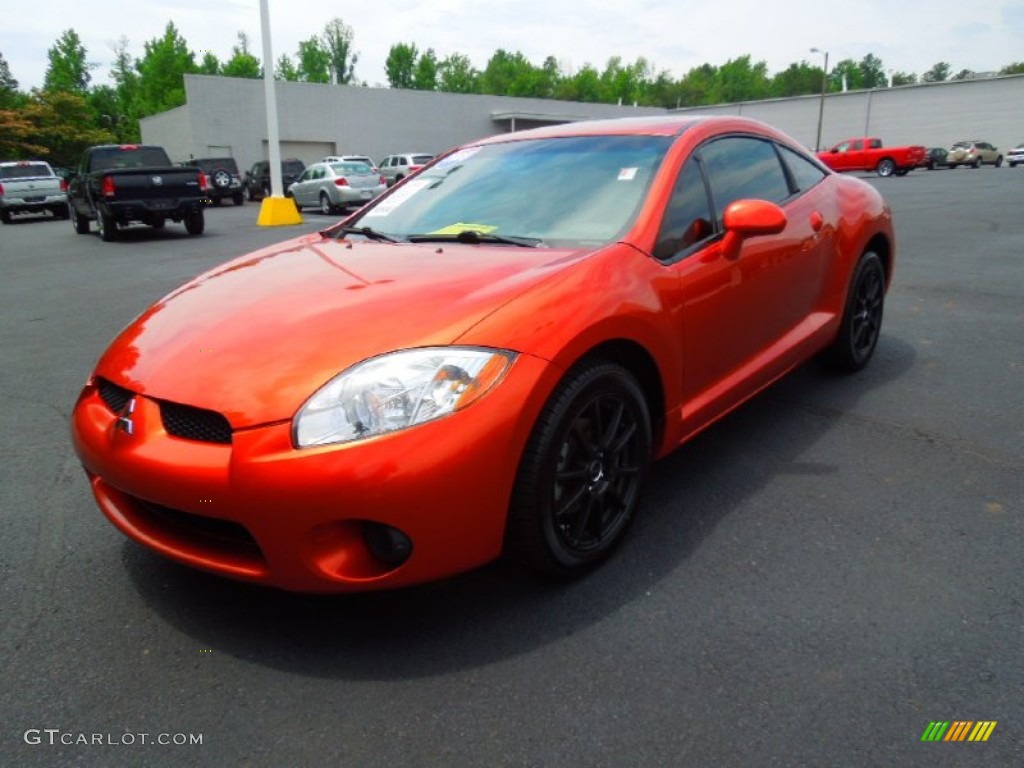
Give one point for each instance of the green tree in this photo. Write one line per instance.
(286, 69)
(456, 74)
(210, 65)
(797, 80)
(584, 85)
(938, 73)
(162, 71)
(664, 91)
(242, 63)
(425, 77)
(128, 107)
(625, 83)
(503, 72)
(337, 41)
(846, 72)
(872, 73)
(8, 86)
(18, 136)
(964, 74)
(314, 62)
(400, 66)
(699, 87)
(739, 80)
(904, 78)
(68, 70)
(1017, 68)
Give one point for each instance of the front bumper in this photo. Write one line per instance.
(259, 510)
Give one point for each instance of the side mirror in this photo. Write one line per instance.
(749, 218)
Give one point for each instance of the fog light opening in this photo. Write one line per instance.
(388, 545)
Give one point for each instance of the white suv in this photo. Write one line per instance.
(394, 168)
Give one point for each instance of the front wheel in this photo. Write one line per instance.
(579, 481)
(999, 161)
(885, 167)
(195, 223)
(862, 318)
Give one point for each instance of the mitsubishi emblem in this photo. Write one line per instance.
(125, 422)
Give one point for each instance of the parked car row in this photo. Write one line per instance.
(973, 154)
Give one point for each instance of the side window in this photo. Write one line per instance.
(403, 161)
(805, 173)
(842, 146)
(688, 216)
(740, 168)
(858, 144)
(875, 144)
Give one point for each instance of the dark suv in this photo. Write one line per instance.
(257, 180)
(222, 177)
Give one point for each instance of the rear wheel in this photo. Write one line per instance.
(999, 161)
(195, 223)
(5, 216)
(579, 480)
(107, 227)
(326, 207)
(238, 198)
(976, 163)
(862, 318)
(885, 167)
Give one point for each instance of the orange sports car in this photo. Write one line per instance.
(485, 359)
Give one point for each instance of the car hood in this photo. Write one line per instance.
(254, 338)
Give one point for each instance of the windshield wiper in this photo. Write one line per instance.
(474, 237)
(367, 232)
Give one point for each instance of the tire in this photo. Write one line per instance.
(5, 216)
(999, 161)
(931, 165)
(106, 226)
(976, 163)
(158, 223)
(195, 223)
(62, 211)
(1013, 164)
(885, 167)
(326, 207)
(238, 198)
(80, 223)
(252, 197)
(579, 480)
(862, 317)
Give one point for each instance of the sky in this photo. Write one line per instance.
(674, 35)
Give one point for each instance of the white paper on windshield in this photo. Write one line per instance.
(456, 158)
(627, 174)
(397, 197)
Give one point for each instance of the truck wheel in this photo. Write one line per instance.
(326, 207)
(885, 167)
(80, 223)
(106, 225)
(195, 223)
(5, 216)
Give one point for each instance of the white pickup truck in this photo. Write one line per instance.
(31, 186)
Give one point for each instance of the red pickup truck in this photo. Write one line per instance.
(867, 154)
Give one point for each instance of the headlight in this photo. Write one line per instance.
(396, 391)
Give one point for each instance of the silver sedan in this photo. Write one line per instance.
(333, 186)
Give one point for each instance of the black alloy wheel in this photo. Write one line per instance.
(579, 480)
(861, 325)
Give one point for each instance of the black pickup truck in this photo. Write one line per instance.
(116, 184)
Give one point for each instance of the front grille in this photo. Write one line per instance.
(114, 396)
(182, 421)
(194, 423)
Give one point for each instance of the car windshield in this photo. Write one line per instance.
(351, 169)
(24, 171)
(963, 145)
(582, 190)
(421, 159)
(292, 167)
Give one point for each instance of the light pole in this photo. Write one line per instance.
(821, 103)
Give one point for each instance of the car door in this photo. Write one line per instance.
(747, 309)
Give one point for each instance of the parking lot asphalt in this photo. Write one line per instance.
(811, 582)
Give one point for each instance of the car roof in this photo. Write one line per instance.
(654, 125)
